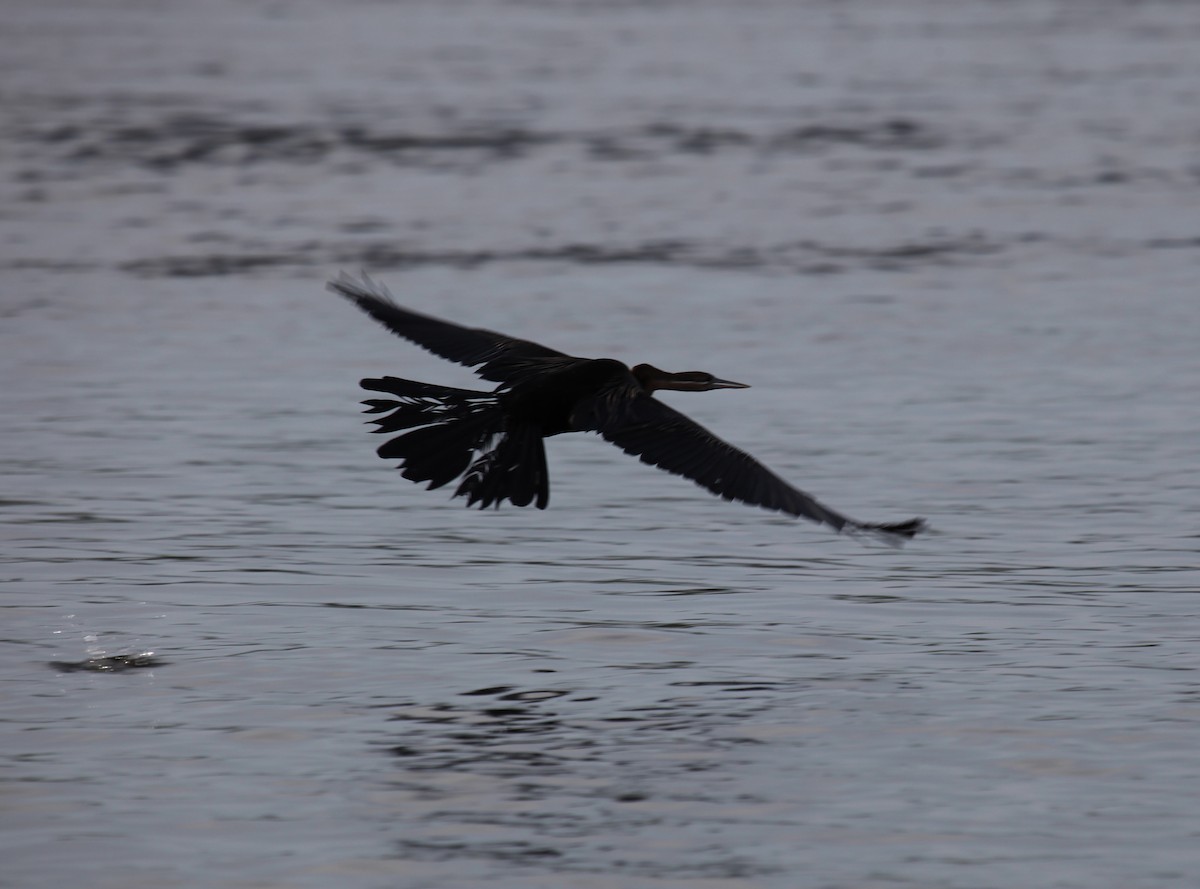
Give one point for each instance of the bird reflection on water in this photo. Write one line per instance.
(493, 441)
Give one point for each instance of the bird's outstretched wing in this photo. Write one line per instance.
(503, 357)
(661, 436)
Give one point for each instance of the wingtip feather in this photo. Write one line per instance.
(894, 533)
(358, 289)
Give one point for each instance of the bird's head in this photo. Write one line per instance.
(651, 379)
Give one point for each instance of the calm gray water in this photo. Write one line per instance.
(953, 247)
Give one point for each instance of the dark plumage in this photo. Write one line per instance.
(493, 441)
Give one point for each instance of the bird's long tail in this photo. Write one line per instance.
(460, 432)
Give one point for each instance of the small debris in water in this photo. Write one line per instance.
(113, 663)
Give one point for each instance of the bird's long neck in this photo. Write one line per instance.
(652, 379)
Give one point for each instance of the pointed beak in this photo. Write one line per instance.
(729, 384)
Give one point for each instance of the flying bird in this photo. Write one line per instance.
(493, 441)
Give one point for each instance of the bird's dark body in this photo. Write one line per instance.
(551, 401)
(494, 441)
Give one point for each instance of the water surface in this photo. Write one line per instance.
(953, 249)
